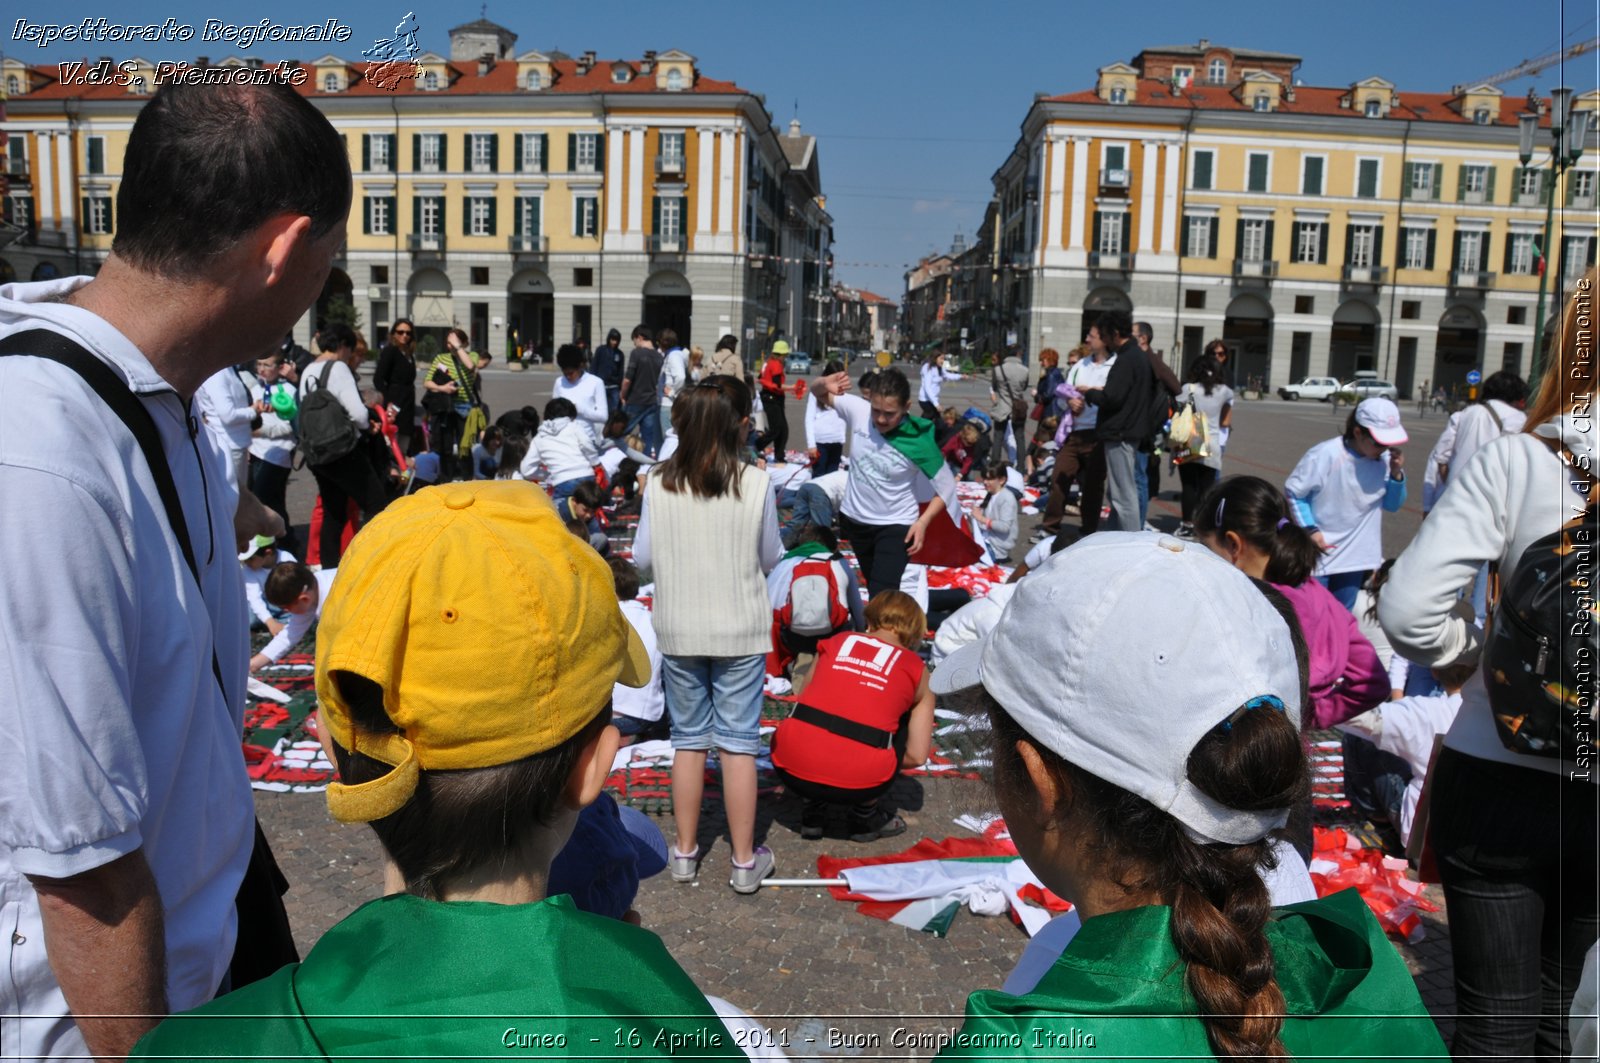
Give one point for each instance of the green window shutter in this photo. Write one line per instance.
(494, 205)
(1266, 243)
(1349, 242)
(655, 215)
(1126, 232)
(1461, 183)
(1183, 240)
(1487, 256)
(416, 214)
(1202, 170)
(572, 153)
(1257, 180)
(1322, 244)
(600, 153)
(1377, 245)
(394, 219)
(440, 201)
(1488, 185)
(1367, 179)
(1588, 258)
(516, 215)
(1213, 248)
(1312, 184)
(1505, 266)
(394, 160)
(1427, 255)
(1546, 187)
(83, 215)
(366, 215)
(1407, 172)
(366, 152)
(466, 216)
(516, 160)
(1455, 250)
(444, 152)
(537, 222)
(97, 155)
(1238, 238)
(1435, 181)
(416, 152)
(1094, 241)
(1571, 185)
(1115, 157)
(544, 152)
(494, 152)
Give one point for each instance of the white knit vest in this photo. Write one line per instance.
(710, 594)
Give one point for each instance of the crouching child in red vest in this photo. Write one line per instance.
(866, 714)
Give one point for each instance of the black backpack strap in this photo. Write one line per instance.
(115, 393)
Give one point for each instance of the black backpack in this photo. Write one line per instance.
(1542, 646)
(326, 431)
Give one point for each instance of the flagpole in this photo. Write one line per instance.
(804, 882)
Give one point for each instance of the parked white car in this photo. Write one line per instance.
(1371, 388)
(1317, 388)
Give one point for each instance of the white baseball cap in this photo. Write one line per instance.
(1122, 652)
(1381, 417)
(256, 545)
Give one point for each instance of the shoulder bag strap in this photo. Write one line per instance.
(115, 393)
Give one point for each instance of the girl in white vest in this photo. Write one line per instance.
(708, 528)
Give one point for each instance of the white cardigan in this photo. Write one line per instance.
(1510, 493)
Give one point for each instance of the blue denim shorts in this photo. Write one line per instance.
(715, 702)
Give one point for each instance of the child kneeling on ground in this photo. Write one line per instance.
(471, 766)
(866, 714)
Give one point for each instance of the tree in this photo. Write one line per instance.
(341, 311)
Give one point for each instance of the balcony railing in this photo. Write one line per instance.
(17, 169)
(1471, 279)
(426, 242)
(1111, 261)
(669, 164)
(1256, 268)
(529, 245)
(1372, 275)
(1115, 179)
(668, 244)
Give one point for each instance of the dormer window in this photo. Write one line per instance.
(1262, 102)
(1374, 109)
(1480, 116)
(675, 80)
(1119, 94)
(620, 75)
(1217, 72)
(430, 81)
(532, 81)
(13, 85)
(330, 82)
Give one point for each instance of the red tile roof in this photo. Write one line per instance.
(1308, 100)
(872, 297)
(464, 80)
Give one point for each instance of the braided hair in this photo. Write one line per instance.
(1220, 905)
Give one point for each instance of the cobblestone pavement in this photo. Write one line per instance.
(797, 957)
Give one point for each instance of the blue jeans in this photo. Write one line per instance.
(647, 419)
(1516, 851)
(715, 701)
(829, 456)
(808, 505)
(565, 488)
(1345, 586)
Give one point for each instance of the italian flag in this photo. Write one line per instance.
(947, 544)
(924, 886)
(1538, 258)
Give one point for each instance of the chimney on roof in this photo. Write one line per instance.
(1205, 42)
(202, 62)
(586, 62)
(649, 63)
(794, 127)
(485, 64)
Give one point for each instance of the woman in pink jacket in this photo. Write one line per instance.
(1245, 520)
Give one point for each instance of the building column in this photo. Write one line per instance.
(1169, 198)
(727, 150)
(702, 191)
(44, 207)
(1147, 198)
(1078, 238)
(635, 237)
(1055, 200)
(613, 179)
(66, 188)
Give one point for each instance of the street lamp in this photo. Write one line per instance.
(1568, 130)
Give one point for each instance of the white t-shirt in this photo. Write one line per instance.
(647, 702)
(1407, 728)
(255, 585)
(822, 425)
(1089, 373)
(674, 374)
(588, 394)
(971, 622)
(1345, 492)
(1476, 425)
(114, 735)
(1432, 482)
(884, 487)
(273, 442)
(933, 381)
(225, 407)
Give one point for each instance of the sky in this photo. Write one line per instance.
(915, 104)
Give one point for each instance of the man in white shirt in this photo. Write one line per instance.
(674, 374)
(228, 414)
(126, 818)
(1081, 457)
(583, 389)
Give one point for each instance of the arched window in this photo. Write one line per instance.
(533, 81)
(13, 85)
(1481, 116)
(1217, 72)
(330, 82)
(1374, 109)
(1263, 102)
(674, 80)
(430, 81)
(1119, 94)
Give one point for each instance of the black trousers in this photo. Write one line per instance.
(880, 551)
(338, 482)
(777, 424)
(829, 456)
(271, 485)
(1197, 480)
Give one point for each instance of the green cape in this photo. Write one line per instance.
(1118, 992)
(913, 437)
(407, 978)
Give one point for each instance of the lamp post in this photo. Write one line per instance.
(1568, 130)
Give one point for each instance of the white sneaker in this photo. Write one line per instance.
(685, 867)
(748, 879)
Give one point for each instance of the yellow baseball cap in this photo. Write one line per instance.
(493, 631)
(780, 347)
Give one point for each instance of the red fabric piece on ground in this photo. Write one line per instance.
(926, 849)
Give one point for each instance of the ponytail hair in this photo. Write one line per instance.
(1220, 904)
(1257, 512)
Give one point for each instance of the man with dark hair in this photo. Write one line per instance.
(1148, 469)
(1126, 406)
(640, 389)
(584, 390)
(126, 819)
(608, 364)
